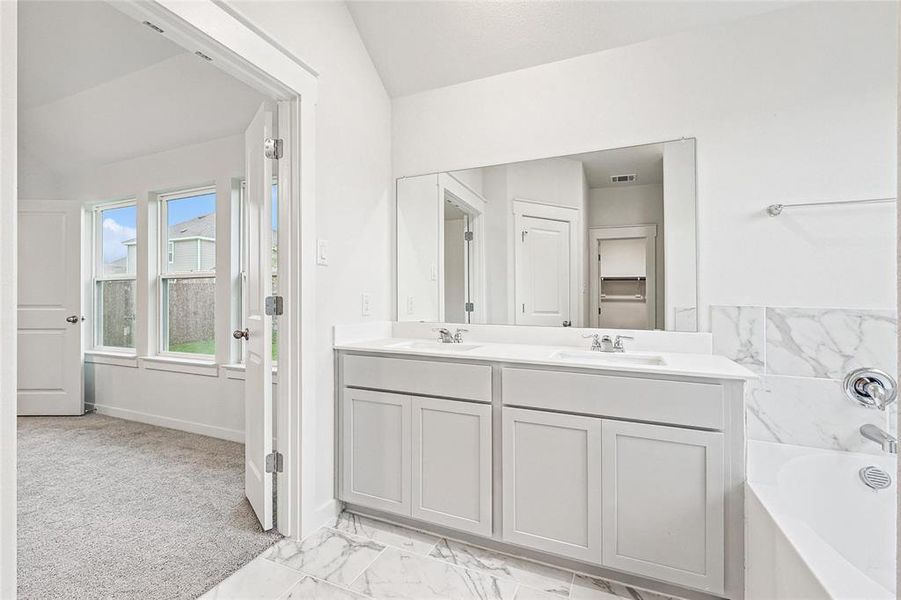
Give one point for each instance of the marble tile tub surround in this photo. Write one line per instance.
(360, 558)
(802, 355)
(645, 341)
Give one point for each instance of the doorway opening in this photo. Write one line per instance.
(148, 215)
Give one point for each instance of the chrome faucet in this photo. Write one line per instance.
(446, 337)
(873, 433)
(606, 343)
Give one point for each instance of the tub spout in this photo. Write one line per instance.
(888, 442)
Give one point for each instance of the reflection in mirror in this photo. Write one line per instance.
(601, 239)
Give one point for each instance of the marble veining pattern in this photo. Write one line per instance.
(310, 588)
(739, 334)
(590, 588)
(685, 318)
(534, 575)
(340, 565)
(809, 412)
(397, 574)
(802, 355)
(327, 554)
(385, 533)
(827, 343)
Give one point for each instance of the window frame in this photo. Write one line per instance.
(98, 276)
(163, 274)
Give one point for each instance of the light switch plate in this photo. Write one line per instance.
(366, 304)
(410, 307)
(433, 272)
(322, 252)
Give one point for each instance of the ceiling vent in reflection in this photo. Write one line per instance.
(623, 178)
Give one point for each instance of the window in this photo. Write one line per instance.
(188, 272)
(115, 252)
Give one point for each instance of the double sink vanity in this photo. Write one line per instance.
(629, 461)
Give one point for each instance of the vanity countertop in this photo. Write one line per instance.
(659, 363)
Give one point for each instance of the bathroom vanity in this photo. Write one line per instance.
(632, 462)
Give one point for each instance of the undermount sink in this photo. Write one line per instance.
(427, 345)
(608, 357)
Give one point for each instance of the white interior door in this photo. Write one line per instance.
(50, 374)
(543, 283)
(258, 333)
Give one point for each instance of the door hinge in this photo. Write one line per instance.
(275, 462)
(275, 306)
(467, 236)
(470, 307)
(274, 148)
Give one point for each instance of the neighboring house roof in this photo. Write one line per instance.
(120, 265)
(203, 226)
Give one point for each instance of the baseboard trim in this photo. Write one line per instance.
(323, 516)
(223, 433)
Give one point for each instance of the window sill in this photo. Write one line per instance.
(107, 357)
(237, 371)
(174, 364)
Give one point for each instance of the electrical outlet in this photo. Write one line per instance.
(410, 307)
(366, 304)
(322, 252)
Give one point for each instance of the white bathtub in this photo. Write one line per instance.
(813, 529)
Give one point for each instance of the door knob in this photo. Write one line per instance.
(74, 319)
(238, 334)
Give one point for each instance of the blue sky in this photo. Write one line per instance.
(119, 223)
(118, 226)
(185, 209)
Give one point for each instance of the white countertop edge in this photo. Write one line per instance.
(709, 366)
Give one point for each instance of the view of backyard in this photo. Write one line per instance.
(188, 278)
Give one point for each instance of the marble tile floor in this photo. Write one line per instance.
(358, 558)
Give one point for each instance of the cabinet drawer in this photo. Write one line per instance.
(674, 402)
(428, 378)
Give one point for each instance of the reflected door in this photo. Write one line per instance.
(542, 274)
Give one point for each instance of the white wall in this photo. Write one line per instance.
(202, 404)
(354, 208)
(783, 105)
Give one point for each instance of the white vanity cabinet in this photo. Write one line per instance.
(377, 445)
(635, 473)
(552, 482)
(452, 464)
(662, 503)
(416, 456)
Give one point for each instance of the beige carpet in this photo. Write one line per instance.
(115, 509)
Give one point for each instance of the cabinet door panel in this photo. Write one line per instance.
(663, 503)
(552, 482)
(377, 450)
(452, 464)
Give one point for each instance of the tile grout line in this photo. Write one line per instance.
(378, 556)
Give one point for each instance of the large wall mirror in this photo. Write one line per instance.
(601, 239)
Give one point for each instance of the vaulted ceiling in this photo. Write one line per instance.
(418, 46)
(96, 87)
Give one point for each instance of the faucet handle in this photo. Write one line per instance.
(458, 335)
(618, 344)
(592, 335)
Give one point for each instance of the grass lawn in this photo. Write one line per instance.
(209, 346)
(198, 347)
